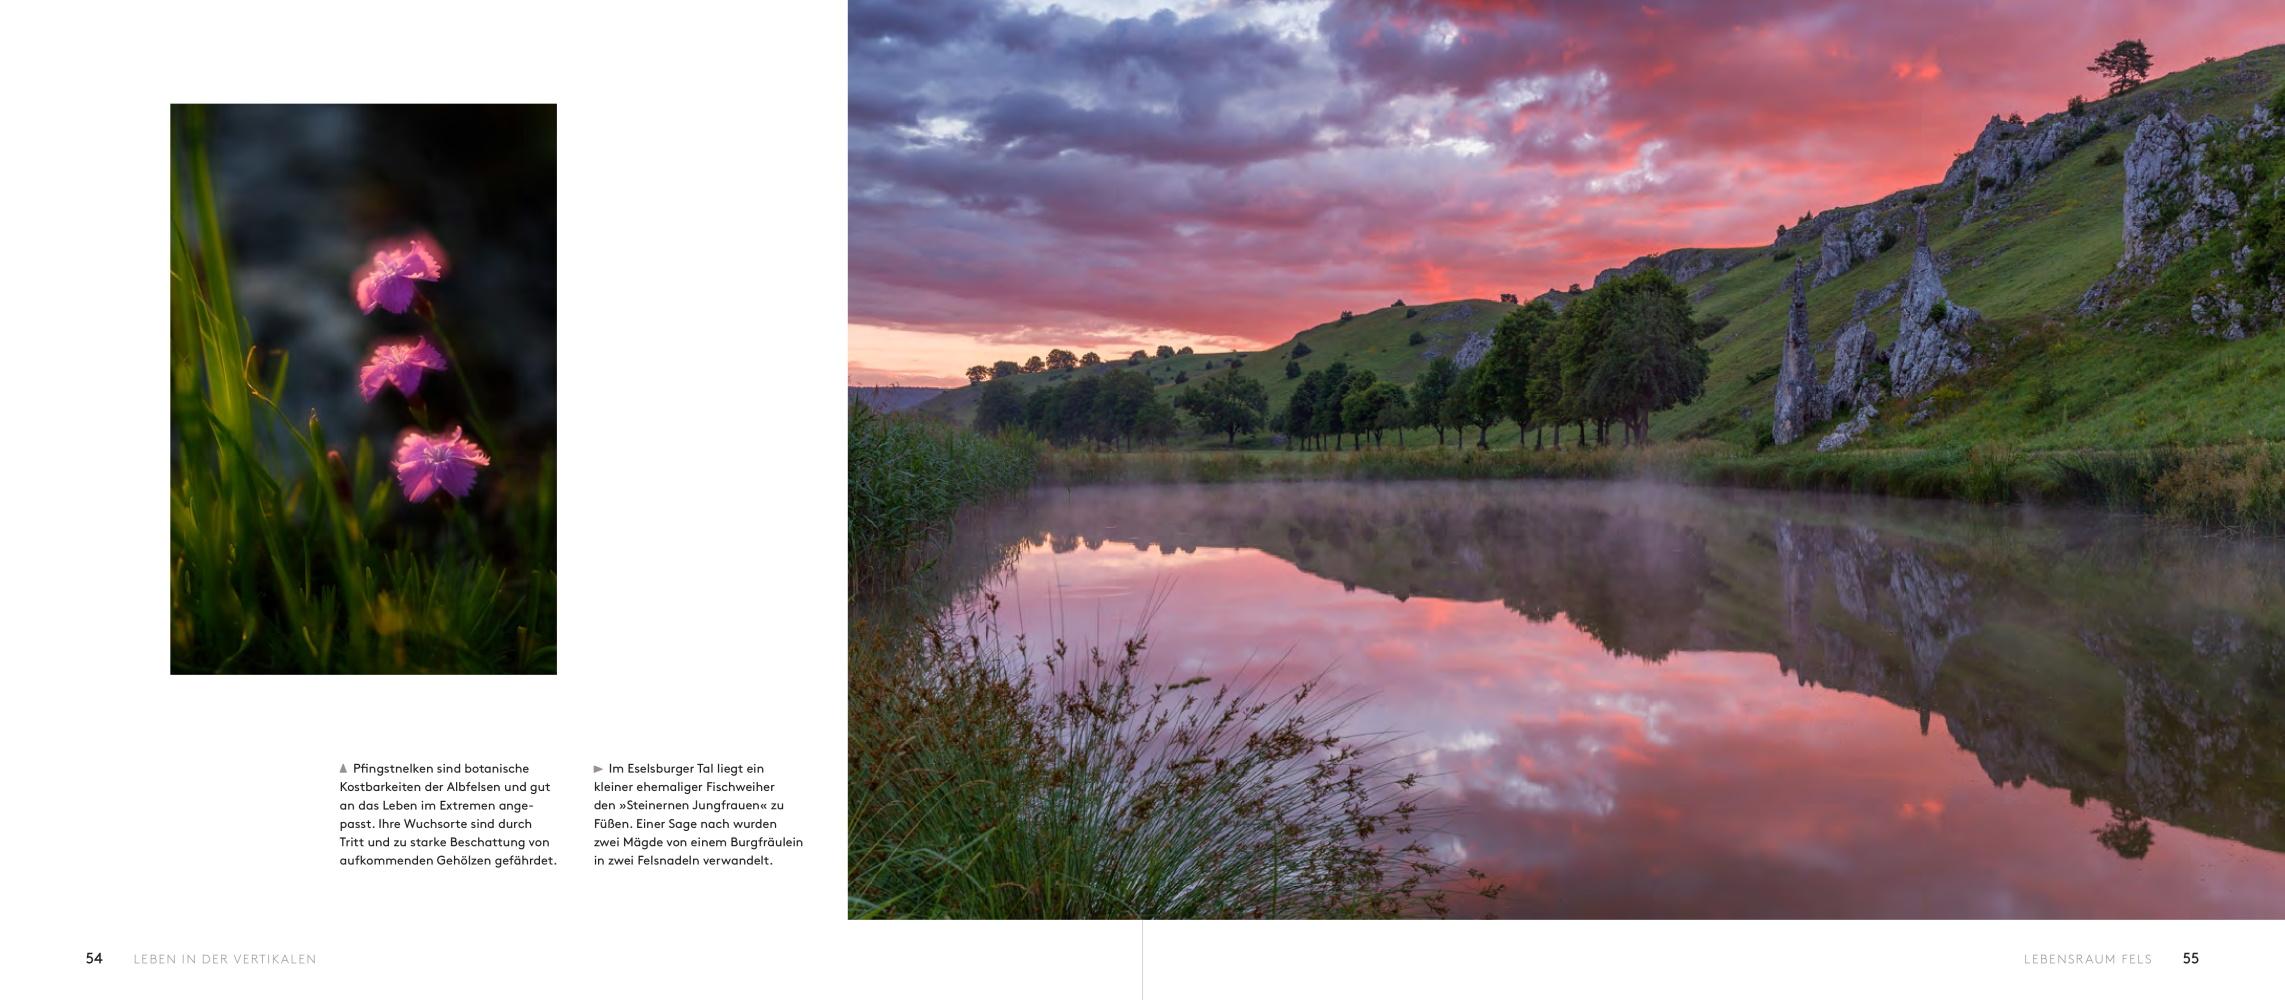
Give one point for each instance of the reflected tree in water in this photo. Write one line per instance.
(2127, 833)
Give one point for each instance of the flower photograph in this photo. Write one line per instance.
(362, 373)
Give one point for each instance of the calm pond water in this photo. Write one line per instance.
(1649, 701)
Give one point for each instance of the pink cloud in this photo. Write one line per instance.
(1236, 186)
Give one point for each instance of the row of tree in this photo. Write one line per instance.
(1058, 360)
(1115, 408)
(1120, 408)
(1338, 401)
(1617, 354)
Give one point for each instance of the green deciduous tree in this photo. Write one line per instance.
(1387, 409)
(1115, 407)
(1429, 392)
(1232, 404)
(999, 405)
(1650, 361)
(1508, 364)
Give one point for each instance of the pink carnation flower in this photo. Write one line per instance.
(400, 364)
(429, 462)
(388, 281)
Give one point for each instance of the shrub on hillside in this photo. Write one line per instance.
(2224, 486)
(1418, 338)
(2108, 157)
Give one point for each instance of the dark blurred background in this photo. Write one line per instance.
(306, 190)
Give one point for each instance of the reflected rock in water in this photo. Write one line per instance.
(2119, 661)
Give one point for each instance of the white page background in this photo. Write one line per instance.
(702, 267)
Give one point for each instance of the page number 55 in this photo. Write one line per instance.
(2189, 958)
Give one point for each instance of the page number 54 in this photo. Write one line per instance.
(95, 958)
(2189, 958)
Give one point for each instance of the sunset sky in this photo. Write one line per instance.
(1106, 175)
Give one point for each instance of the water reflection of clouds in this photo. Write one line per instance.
(1703, 784)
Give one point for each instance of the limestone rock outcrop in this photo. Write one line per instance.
(1849, 430)
(2162, 176)
(1990, 155)
(1844, 246)
(2176, 199)
(1478, 344)
(1929, 345)
(1855, 386)
(2171, 202)
(1854, 353)
(2009, 151)
(1874, 298)
(1682, 265)
(1799, 398)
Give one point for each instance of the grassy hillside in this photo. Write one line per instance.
(1379, 340)
(2045, 378)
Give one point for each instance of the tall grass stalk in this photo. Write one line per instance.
(985, 781)
(908, 476)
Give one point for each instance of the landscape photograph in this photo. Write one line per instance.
(1439, 459)
(362, 377)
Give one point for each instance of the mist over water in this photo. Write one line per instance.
(1648, 701)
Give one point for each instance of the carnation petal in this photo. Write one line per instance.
(395, 294)
(368, 296)
(425, 355)
(371, 378)
(422, 261)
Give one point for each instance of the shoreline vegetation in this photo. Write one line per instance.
(994, 777)
(2238, 487)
